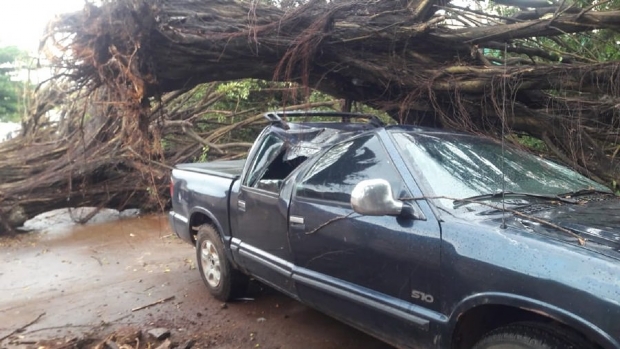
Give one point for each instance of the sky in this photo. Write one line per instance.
(22, 22)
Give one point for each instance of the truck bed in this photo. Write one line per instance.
(221, 168)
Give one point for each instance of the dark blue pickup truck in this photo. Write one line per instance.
(420, 237)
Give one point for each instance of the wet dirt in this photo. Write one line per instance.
(88, 278)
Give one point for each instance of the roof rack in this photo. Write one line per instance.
(275, 117)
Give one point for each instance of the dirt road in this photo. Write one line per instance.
(89, 278)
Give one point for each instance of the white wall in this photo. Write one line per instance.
(8, 130)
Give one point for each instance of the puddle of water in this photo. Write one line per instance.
(109, 230)
(64, 219)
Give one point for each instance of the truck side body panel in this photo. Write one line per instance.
(202, 195)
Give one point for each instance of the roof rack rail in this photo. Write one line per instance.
(275, 117)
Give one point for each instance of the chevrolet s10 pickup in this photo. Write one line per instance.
(423, 238)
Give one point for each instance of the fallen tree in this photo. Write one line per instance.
(423, 61)
(426, 62)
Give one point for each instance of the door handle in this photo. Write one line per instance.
(296, 220)
(241, 205)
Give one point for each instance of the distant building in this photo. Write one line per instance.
(9, 130)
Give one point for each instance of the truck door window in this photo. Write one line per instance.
(269, 168)
(268, 151)
(336, 173)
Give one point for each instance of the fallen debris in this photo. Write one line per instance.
(163, 300)
(128, 336)
(98, 260)
(159, 333)
(23, 328)
(165, 345)
(111, 345)
(124, 338)
(188, 344)
(131, 338)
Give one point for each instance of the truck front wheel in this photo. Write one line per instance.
(222, 280)
(532, 336)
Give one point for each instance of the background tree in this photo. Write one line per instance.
(10, 89)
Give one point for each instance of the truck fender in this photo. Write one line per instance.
(218, 227)
(533, 306)
(210, 216)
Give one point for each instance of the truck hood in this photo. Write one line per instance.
(596, 221)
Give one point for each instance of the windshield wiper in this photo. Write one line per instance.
(571, 194)
(510, 194)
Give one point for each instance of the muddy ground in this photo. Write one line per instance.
(86, 280)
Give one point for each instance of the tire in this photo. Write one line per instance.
(532, 336)
(222, 280)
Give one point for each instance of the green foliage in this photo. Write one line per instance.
(204, 157)
(9, 54)
(9, 90)
(533, 143)
(365, 109)
(234, 101)
(595, 46)
(165, 144)
(615, 186)
(237, 90)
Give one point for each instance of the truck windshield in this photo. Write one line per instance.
(461, 166)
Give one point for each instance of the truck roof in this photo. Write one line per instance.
(277, 118)
(304, 139)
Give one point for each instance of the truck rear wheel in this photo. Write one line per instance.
(222, 280)
(532, 336)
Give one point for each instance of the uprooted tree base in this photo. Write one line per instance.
(456, 68)
(85, 160)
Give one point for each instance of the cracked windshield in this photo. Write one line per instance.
(460, 166)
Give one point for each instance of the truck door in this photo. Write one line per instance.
(360, 268)
(260, 240)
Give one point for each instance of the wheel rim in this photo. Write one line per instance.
(210, 260)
